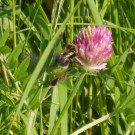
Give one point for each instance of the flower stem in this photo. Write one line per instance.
(90, 101)
(103, 107)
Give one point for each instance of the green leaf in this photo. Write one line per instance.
(34, 99)
(131, 117)
(21, 72)
(5, 49)
(4, 38)
(35, 104)
(7, 10)
(6, 99)
(67, 84)
(6, 2)
(63, 92)
(13, 58)
(13, 62)
(40, 22)
(128, 101)
(54, 108)
(133, 70)
(29, 122)
(94, 11)
(110, 83)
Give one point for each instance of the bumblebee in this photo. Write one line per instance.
(65, 57)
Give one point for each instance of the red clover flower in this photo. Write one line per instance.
(95, 47)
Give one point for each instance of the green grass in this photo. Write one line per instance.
(32, 33)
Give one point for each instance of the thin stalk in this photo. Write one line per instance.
(71, 118)
(103, 108)
(41, 121)
(90, 101)
(72, 21)
(4, 71)
(14, 23)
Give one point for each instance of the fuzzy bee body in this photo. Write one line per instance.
(63, 60)
(65, 57)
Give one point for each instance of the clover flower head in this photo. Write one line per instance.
(94, 46)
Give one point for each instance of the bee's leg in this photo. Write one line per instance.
(71, 62)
